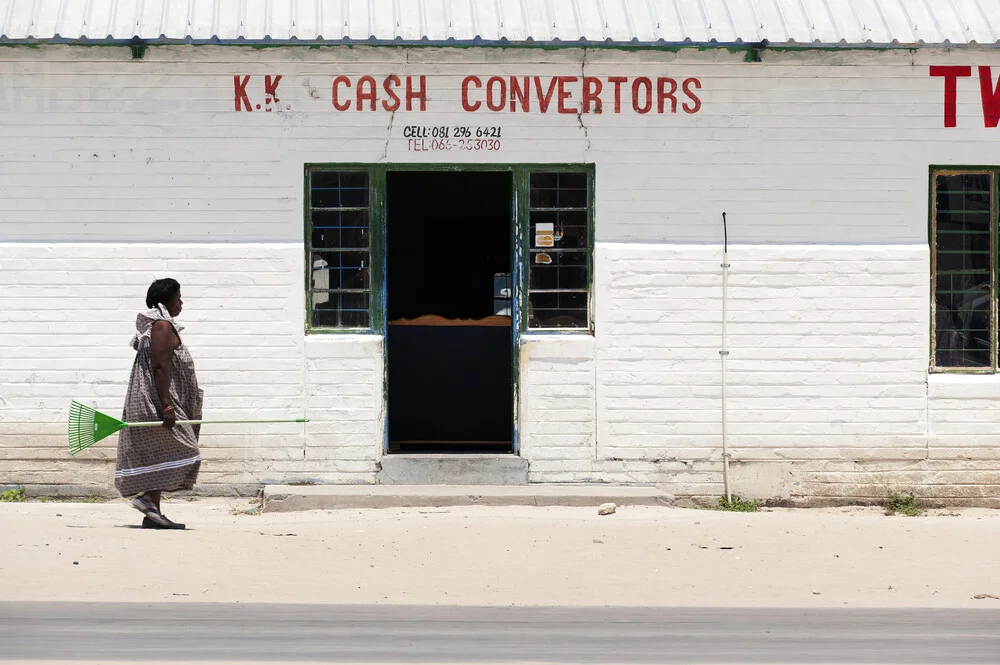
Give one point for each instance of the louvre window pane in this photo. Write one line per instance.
(340, 249)
(344, 270)
(558, 310)
(554, 278)
(963, 270)
(570, 227)
(558, 190)
(333, 238)
(559, 250)
(334, 229)
(335, 313)
(558, 271)
(339, 190)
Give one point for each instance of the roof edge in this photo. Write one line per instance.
(477, 42)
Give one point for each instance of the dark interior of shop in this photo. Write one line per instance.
(449, 234)
(449, 337)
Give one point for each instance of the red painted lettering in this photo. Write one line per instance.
(337, 104)
(241, 92)
(466, 82)
(366, 93)
(642, 82)
(663, 94)
(420, 94)
(497, 101)
(544, 99)
(618, 80)
(951, 76)
(390, 82)
(592, 94)
(687, 85)
(520, 94)
(991, 97)
(271, 86)
(564, 94)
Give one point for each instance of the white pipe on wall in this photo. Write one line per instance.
(723, 353)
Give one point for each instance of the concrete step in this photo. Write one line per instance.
(453, 470)
(288, 498)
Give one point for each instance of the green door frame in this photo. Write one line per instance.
(520, 223)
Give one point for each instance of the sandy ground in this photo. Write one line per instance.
(854, 557)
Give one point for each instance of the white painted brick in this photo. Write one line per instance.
(563, 449)
(975, 448)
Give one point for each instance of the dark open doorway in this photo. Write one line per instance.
(449, 341)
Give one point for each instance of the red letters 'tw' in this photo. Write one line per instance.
(991, 97)
(990, 94)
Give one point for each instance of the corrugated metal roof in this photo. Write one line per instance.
(486, 22)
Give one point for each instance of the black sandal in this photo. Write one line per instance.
(150, 524)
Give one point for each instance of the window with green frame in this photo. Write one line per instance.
(339, 256)
(964, 229)
(560, 249)
(345, 206)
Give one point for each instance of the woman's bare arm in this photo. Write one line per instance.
(161, 349)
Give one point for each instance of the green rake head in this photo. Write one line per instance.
(88, 426)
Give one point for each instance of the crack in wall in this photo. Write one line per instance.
(388, 137)
(579, 110)
(392, 115)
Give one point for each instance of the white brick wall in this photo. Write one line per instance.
(343, 394)
(115, 171)
(558, 407)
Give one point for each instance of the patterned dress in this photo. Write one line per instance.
(157, 458)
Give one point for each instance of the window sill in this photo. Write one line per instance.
(946, 378)
(557, 332)
(341, 331)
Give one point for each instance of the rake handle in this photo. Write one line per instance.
(156, 423)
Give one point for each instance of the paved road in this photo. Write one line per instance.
(181, 632)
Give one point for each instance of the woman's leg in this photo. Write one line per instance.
(155, 498)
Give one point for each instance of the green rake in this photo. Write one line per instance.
(87, 426)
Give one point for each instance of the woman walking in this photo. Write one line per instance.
(163, 387)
